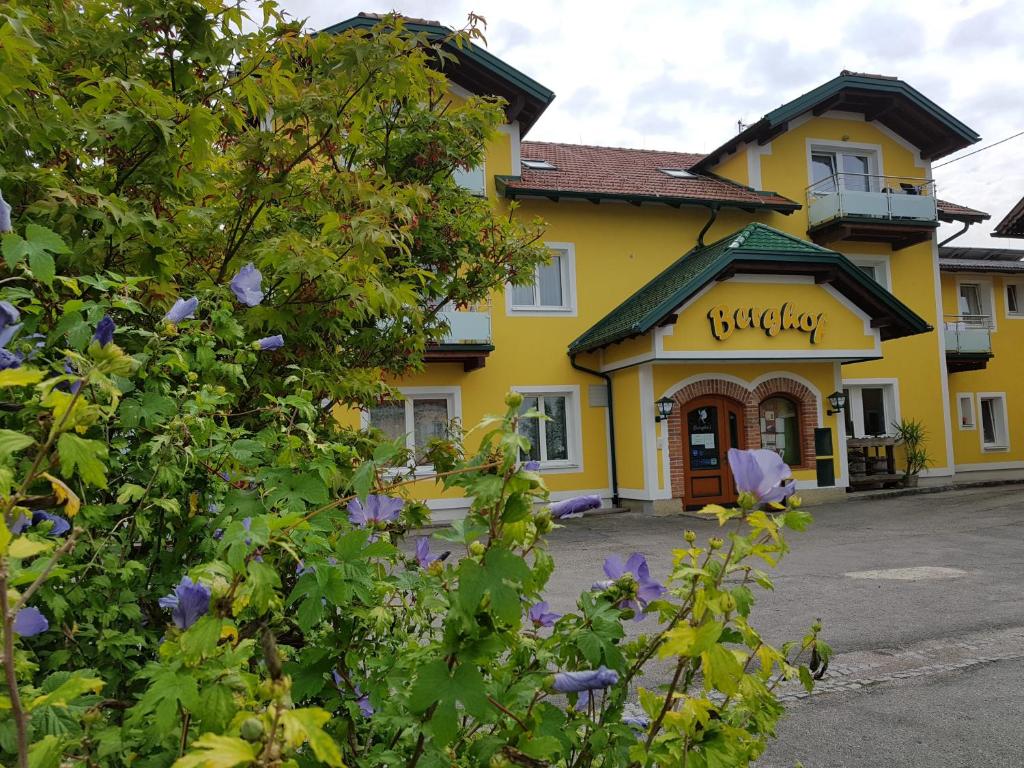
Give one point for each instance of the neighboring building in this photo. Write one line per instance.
(1012, 224)
(742, 288)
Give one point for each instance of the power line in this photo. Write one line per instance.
(996, 144)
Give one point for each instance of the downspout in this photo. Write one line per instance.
(616, 501)
(711, 220)
(955, 235)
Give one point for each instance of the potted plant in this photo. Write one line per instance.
(911, 433)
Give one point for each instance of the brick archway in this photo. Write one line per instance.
(800, 394)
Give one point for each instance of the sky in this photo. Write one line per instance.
(679, 75)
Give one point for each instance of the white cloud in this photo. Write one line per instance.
(678, 75)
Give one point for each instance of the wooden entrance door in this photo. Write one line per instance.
(711, 426)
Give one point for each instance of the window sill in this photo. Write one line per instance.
(541, 310)
(550, 468)
(995, 448)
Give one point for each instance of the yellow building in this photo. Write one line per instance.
(697, 302)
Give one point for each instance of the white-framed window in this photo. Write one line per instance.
(877, 268)
(872, 407)
(975, 297)
(553, 290)
(995, 435)
(852, 168)
(423, 415)
(555, 441)
(965, 411)
(472, 179)
(1014, 296)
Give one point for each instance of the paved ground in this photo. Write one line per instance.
(929, 666)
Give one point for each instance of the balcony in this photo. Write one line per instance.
(862, 207)
(968, 342)
(468, 340)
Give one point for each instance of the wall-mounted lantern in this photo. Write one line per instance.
(664, 408)
(838, 402)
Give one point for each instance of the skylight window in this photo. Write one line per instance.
(538, 165)
(677, 173)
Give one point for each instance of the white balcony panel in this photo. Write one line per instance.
(964, 339)
(917, 207)
(467, 327)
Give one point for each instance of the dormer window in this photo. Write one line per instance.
(538, 165)
(678, 173)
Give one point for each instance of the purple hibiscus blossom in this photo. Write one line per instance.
(189, 602)
(574, 507)
(423, 556)
(5, 215)
(541, 616)
(268, 343)
(71, 387)
(531, 466)
(362, 699)
(30, 621)
(636, 566)
(9, 359)
(585, 680)
(9, 325)
(183, 309)
(59, 528)
(247, 285)
(761, 473)
(378, 509)
(104, 334)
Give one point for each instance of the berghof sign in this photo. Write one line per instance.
(772, 321)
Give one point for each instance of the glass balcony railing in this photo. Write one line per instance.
(968, 334)
(467, 326)
(874, 198)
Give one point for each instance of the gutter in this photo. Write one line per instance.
(616, 501)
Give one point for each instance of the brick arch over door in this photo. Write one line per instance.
(751, 399)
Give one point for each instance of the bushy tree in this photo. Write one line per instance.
(217, 237)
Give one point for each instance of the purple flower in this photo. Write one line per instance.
(246, 285)
(585, 680)
(71, 387)
(247, 524)
(636, 566)
(189, 601)
(183, 309)
(9, 324)
(532, 466)
(5, 215)
(268, 343)
(378, 509)
(574, 507)
(423, 556)
(20, 524)
(301, 569)
(29, 622)
(761, 473)
(541, 616)
(637, 722)
(104, 334)
(218, 534)
(363, 700)
(60, 525)
(9, 359)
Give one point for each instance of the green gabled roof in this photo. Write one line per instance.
(755, 248)
(889, 100)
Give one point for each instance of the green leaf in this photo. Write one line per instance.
(294, 491)
(214, 751)
(45, 239)
(45, 753)
(43, 267)
(806, 679)
(12, 442)
(307, 725)
(686, 640)
(797, 519)
(24, 547)
(38, 244)
(68, 691)
(19, 377)
(86, 457)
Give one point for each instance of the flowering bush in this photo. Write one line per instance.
(199, 566)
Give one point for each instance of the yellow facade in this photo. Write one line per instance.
(830, 343)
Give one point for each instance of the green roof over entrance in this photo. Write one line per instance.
(755, 249)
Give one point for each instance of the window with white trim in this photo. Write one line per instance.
(420, 418)
(994, 434)
(473, 180)
(854, 169)
(975, 303)
(555, 439)
(871, 410)
(876, 269)
(965, 411)
(1014, 299)
(552, 289)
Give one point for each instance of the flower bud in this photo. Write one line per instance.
(543, 522)
(220, 389)
(192, 376)
(715, 542)
(690, 536)
(477, 549)
(728, 603)
(514, 399)
(816, 626)
(252, 729)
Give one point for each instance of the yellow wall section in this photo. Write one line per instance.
(841, 328)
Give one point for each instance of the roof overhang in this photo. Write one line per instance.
(517, 192)
(1012, 224)
(477, 70)
(890, 101)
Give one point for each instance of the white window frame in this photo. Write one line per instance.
(880, 264)
(473, 180)
(567, 252)
(872, 151)
(972, 424)
(890, 400)
(1019, 286)
(999, 446)
(573, 429)
(452, 394)
(986, 292)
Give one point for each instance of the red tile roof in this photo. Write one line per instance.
(615, 173)
(1012, 224)
(955, 212)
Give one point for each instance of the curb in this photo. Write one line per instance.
(896, 492)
